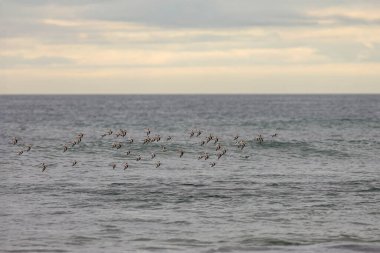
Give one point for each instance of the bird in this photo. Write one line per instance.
(73, 143)
(241, 144)
(260, 139)
(147, 140)
(217, 146)
(157, 138)
(28, 147)
(43, 166)
(109, 132)
(116, 145)
(14, 141)
(121, 133)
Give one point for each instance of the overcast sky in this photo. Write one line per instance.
(189, 46)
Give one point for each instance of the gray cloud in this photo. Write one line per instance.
(14, 61)
(198, 13)
(183, 13)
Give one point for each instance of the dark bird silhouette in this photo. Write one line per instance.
(43, 166)
(14, 141)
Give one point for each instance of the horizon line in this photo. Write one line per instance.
(175, 94)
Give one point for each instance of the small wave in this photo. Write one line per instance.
(142, 239)
(270, 242)
(160, 249)
(78, 240)
(357, 247)
(193, 185)
(370, 189)
(36, 250)
(118, 184)
(61, 212)
(187, 242)
(179, 222)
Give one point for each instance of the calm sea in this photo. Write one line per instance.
(314, 187)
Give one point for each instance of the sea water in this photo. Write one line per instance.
(311, 185)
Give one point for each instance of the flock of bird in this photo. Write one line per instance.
(218, 145)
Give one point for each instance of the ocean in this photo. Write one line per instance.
(303, 174)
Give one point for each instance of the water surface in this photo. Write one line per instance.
(313, 188)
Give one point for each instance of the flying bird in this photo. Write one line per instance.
(43, 166)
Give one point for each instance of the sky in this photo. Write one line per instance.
(189, 46)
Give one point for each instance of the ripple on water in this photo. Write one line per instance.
(298, 192)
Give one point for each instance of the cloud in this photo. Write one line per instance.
(168, 13)
(325, 78)
(15, 61)
(347, 15)
(199, 13)
(255, 45)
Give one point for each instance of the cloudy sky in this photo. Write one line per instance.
(189, 46)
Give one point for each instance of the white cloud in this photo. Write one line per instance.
(355, 13)
(245, 46)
